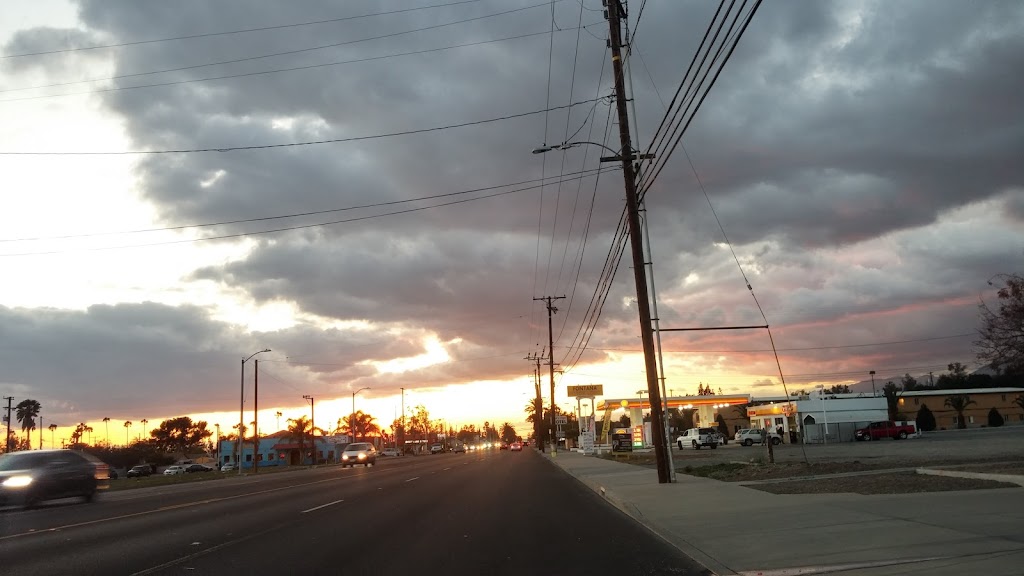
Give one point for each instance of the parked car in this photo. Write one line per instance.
(29, 477)
(228, 468)
(884, 429)
(198, 468)
(174, 470)
(751, 436)
(436, 448)
(516, 447)
(140, 470)
(359, 453)
(459, 448)
(698, 438)
(391, 452)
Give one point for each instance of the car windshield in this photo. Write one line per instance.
(357, 447)
(23, 461)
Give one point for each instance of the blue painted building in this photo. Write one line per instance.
(276, 451)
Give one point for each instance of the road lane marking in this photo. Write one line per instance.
(413, 478)
(322, 506)
(162, 509)
(449, 468)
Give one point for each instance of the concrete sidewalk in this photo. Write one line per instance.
(732, 529)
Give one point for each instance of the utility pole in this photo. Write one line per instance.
(614, 13)
(312, 424)
(538, 403)
(7, 439)
(551, 369)
(403, 423)
(256, 416)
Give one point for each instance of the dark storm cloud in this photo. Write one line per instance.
(837, 136)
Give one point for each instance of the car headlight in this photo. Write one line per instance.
(17, 481)
(344, 456)
(362, 456)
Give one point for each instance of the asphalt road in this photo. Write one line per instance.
(491, 512)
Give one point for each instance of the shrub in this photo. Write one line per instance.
(925, 419)
(995, 419)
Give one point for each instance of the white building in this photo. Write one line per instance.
(811, 416)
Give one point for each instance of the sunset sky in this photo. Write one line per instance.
(864, 158)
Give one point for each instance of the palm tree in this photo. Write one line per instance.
(27, 412)
(53, 428)
(144, 422)
(363, 425)
(106, 422)
(298, 429)
(127, 431)
(1019, 401)
(959, 403)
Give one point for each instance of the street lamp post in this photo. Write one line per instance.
(241, 412)
(312, 424)
(352, 418)
(824, 411)
(873, 392)
(217, 426)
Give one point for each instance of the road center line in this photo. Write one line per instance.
(413, 478)
(322, 506)
(448, 468)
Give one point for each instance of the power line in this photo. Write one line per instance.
(285, 53)
(581, 174)
(795, 349)
(275, 230)
(278, 70)
(229, 32)
(294, 144)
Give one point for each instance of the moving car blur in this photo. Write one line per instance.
(359, 453)
(30, 477)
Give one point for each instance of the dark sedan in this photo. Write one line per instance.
(140, 470)
(30, 477)
(198, 468)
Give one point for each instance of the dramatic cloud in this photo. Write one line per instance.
(864, 158)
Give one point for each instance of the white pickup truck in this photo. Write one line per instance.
(697, 438)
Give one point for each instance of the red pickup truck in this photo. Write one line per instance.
(884, 429)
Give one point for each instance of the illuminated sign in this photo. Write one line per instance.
(786, 409)
(586, 390)
(638, 436)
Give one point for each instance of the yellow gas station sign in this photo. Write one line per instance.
(785, 409)
(586, 390)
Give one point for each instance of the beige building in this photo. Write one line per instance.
(1003, 400)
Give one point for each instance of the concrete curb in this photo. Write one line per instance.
(713, 567)
(1009, 478)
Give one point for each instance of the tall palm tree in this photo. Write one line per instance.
(27, 412)
(127, 431)
(106, 422)
(959, 403)
(144, 422)
(299, 429)
(53, 428)
(90, 431)
(1019, 401)
(363, 425)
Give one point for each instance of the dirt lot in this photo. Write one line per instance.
(978, 450)
(896, 483)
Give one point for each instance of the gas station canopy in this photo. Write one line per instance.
(685, 402)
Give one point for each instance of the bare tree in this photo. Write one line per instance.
(1001, 341)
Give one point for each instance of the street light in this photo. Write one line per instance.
(312, 424)
(241, 412)
(352, 418)
(873, 392)
(617, 157)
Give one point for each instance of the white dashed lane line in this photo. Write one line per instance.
(413, 478)
(322, 506)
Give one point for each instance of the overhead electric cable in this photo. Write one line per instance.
(294, 144)
(287, 52)
(229, 32)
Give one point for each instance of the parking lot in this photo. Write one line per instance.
(948, 446)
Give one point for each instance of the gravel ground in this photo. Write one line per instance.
(744, 472)
(896, 483)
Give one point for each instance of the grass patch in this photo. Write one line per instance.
(723, 471)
